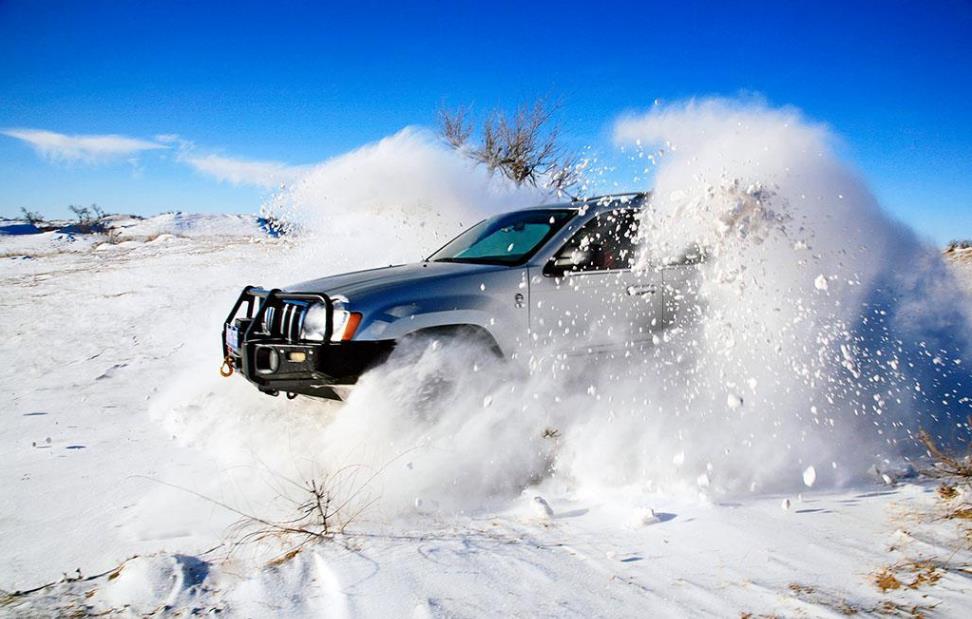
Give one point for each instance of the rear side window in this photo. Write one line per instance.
(606, 243)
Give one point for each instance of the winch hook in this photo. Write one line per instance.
(226, 370)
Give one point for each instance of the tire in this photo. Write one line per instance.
(442, 355)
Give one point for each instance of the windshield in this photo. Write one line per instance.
(505, 239)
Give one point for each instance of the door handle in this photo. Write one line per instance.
(642, 289)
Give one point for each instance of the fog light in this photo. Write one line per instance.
(297, 356)
(267, 360)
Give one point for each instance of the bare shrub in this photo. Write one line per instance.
(322, 507)
(90, 219)
(524, 147)
(955, 491)
(946, 465)
(83, 213)
(32, 217)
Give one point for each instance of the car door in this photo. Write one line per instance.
(588, 298)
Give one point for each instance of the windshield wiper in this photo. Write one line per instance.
(481, 260)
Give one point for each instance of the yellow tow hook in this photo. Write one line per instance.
(226, 370)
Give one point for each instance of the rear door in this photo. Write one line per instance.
(589, 298)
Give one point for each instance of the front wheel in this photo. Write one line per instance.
(438, 359)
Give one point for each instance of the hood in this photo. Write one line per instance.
(358, 283)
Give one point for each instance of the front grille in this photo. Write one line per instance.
(285, 320)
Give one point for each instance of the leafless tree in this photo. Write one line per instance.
(455, 127)
(523, 147)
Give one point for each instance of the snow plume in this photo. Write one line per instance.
(830, 333)
(266, 174)
(399, 438)
(396, 200)
(825, 336)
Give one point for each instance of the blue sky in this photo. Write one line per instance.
(296, 83)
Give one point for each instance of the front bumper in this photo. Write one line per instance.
(276, 361)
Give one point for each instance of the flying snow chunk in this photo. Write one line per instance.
(809, 476)
(645, 516)
(733, 401)
(542, 508)
(820, 283)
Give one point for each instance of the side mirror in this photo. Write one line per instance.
(551, 269)
(573, 260)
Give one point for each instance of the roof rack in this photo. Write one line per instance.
(632, 194)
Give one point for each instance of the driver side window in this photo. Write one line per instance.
(607, 242)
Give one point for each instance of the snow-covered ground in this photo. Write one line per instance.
(114, 416)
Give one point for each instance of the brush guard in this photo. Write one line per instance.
(261, 340)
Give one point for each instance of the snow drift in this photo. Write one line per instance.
(830, 335)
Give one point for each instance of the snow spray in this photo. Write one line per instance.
(827, 335)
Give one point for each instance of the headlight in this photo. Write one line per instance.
(343, 323)
(341, 317)
(315, 323)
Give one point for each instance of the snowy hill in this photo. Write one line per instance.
(18, 237)
(961, 260)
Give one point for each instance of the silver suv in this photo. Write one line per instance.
(551, 278)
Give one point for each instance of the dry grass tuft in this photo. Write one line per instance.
(947, 491)
(886, 580)
(287, 556)
(922, 573)
(838, 603)
(954, 492)
(964, 513)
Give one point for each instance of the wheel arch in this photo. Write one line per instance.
(463, 330)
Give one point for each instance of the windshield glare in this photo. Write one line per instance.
(507, 239)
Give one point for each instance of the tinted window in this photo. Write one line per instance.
(505, 239)
(607, 242)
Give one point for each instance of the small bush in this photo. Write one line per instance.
(90, 219)
(956, 467)
(33, 218)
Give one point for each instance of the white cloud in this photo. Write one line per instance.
(102, 148)
(268, 174)
(81, 148)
